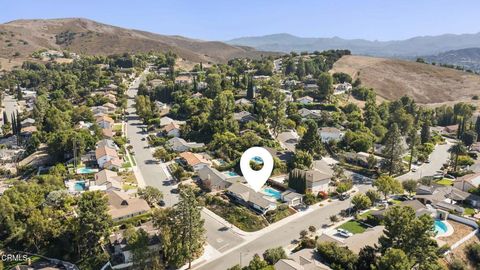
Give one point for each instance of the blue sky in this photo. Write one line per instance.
(223, 20)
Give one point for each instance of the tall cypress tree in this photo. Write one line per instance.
(393, 150)
(477, 128)
(250, 89)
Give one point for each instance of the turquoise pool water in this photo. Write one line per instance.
(231, 174)
(273, 193)
(258, 160)
(440, 227)
(79, 186)
(86, 170)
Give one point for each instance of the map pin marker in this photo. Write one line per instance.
(256, 179)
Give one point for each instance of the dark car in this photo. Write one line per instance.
(161, 203)
(175, 191)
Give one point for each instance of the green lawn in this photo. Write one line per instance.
(365, 215)
(445, 182)
(469, 211)
(117, 128)
(353, 227)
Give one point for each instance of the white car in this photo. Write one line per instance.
(414, 169)
(344, 233)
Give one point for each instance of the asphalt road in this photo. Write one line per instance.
(220, 237)
(11, 106)
(282, 236)
(438, 157)
(152, 172)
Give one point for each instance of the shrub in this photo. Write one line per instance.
(337, 257)
(473, 253)
(457, 264)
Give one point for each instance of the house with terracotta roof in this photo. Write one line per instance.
(195, 160)
(105, 121)
(110, 106)
(105, 154)
(122, 206)
(172, 129)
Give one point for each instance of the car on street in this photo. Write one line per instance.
(343, 196)
(414, 169)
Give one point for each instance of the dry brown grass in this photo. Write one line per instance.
(427, 84)
(27, 36)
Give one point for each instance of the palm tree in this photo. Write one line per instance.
(457, 150)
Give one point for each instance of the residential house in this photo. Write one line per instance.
(105, 154)
(214, 180)
(292, 198)
(99, 110)
(305, 259)
(416, 205)
(342, 88)
(243, 117)
(180, 145)
(309, 114)
(105, 121)
(467, 182)
(28, 122)
(109, 179)
(167, 120)
(310, 87)
(27, 132)
(183, 79)
(110, 107)
(330, 134)
(108, 143)
(172, 129)
(316, 180)
(243, 101)
(156, 82)
(196, 95)
(450, 129)
(195, 160)
(122, 206)
(446, 197)
(305, 100)
(111, 97)
(247, 196)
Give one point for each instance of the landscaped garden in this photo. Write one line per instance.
(281, 212)
(239, 216)
(445, 182)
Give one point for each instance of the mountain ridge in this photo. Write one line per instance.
(85, 36)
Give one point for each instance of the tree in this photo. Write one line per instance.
(457, 264)
(344, 186)
(93, 224)
(150, 194)
(311, 141)
(250, 88)
(338, 258)
(325, 86)
(393, 150)
(273, 255)
(303, 234)
(302, 160)
(300, 69)
(457, 150)
(412, 144)
(469, 137)
(388, 185)
(361, 202)
(394, 259)
(256, 263)
(366, 258)
(181, 230)
(410, 186)
(411, 234)
(373, 195)
(214, 86)
(477, 127)
(161, 154)
(334, 218)
(425, 133)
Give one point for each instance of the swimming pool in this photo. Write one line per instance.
(79, 186)
(440, 227)
(86, 170)
(230, 174)
(272, 193)
(257, 160)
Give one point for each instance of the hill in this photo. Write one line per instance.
(468, 58)
(409, 48)
(89, 37)
(426, 83)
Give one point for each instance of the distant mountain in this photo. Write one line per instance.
(90, 37)
(409, 48)
(468, 58)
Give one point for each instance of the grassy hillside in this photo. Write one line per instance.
(427, 84)
(90, 37)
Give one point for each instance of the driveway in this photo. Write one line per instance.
(10, 105)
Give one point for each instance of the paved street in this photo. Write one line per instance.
(151, 172)
(220, 237)
(438, 157)
(10, 106)
(281, 236)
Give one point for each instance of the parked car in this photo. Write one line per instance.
(343, 196)
(344, 233)
(414, 169)
(438, 176)
(449, 176)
